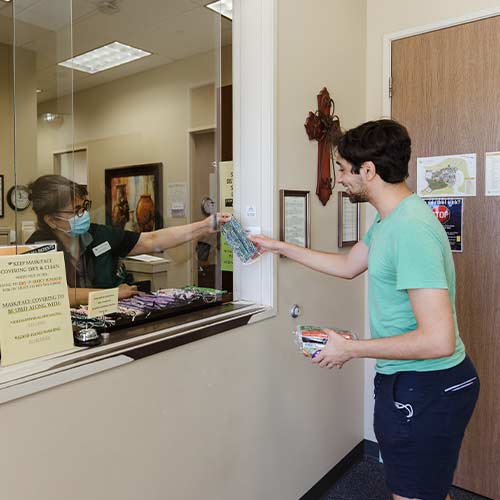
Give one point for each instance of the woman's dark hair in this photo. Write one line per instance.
(386, 143)
(51, 193)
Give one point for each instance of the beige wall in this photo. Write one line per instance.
(386, 17)
(238, 415)
(25, 125)
(144, 118)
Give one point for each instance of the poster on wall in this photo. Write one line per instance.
(450, 176)
(176, 198)
(450, 212)
(34, 307)
(492, 174)
(226, 205)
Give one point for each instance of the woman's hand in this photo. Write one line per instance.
(335, 352)
(213, 222)
(126, 291)
(265, 244)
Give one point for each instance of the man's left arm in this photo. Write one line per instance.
(434, 336)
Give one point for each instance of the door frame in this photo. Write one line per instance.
(445, 23)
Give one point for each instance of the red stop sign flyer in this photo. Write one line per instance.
(449, 212)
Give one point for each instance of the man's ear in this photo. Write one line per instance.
(370, 169)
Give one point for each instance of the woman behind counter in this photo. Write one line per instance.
(92, 252)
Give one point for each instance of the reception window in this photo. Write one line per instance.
(119, 147)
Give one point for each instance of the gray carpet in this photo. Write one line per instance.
(365, 481)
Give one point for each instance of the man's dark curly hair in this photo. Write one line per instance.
(386, 143)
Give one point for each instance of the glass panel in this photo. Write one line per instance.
(135, 131)
(7, 215)
(43, 105)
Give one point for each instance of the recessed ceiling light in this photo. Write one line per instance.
(222, 7)
(106, 57)
(39, 91)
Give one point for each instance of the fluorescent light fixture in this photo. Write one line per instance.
(103, 58)
(52, 117)
(222, 7)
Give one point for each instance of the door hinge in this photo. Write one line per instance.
(390, 86)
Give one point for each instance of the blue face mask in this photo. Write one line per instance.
(78, 224)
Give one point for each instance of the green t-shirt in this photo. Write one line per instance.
(408, 249)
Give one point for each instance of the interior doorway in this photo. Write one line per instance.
(446, 90)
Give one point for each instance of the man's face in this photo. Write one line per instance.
(354, 183)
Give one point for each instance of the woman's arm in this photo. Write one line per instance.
(80, 296)
(156, 241)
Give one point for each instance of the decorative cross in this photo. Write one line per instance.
(324, 127)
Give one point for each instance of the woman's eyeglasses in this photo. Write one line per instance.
(79, 209)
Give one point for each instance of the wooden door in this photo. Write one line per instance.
(446, 90)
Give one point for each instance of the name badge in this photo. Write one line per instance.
(102, 248)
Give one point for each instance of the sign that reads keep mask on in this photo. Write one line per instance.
(34, 307)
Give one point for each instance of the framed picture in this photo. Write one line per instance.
(2, 207)
(134, 197)
(295, 212)
(348, 221)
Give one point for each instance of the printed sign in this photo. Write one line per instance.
(103, 302)
(450, 211)
(226, 205)
(34, 307)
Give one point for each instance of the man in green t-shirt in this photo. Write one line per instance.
(426, 387)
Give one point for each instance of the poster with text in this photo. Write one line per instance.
(226, 205)
(450, 212)
(34, 307)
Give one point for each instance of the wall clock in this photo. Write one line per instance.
(18, 198)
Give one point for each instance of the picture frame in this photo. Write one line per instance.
(134, 197)
(348, 221)
(2, 201)
(295, 217)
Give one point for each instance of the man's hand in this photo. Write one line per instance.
(126, 291)
(265, 244)
(335, 352)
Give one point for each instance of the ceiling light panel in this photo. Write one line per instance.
(103, 58)
(222, 7)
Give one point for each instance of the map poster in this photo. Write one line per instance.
(34, 307)
(439, 176)
(450, 212)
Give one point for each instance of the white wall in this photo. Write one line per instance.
(241, 414)
(386, 17)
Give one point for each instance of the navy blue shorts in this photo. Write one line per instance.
(419, 421)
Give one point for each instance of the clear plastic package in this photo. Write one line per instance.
(311, 338)
(238, 240)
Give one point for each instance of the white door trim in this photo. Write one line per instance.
(254, 150)
(445, 23)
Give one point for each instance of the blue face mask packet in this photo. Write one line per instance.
(237, 239)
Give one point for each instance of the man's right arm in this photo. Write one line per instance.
(347, 266)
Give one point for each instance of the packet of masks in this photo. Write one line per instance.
(237, 239)
(311, 339)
